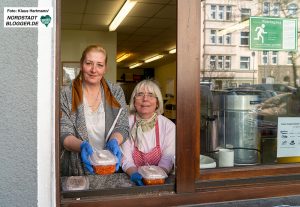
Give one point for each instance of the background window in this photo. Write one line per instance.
(245, 14)
(212, 62)
(227, 62)
(228, 13)
(213, 9)
(220, 62)
(274, 57)
(221, 13)
(228, 39)
(292, 9)
(244, 63)
(244, 38)
(276, 9)
(213, 36)
(266, 8)
(265, 58)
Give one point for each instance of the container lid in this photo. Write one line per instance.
(76, 183)
(207, 162)
(103, 157)
(152, 172)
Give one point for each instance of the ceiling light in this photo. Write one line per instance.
(126, 8)
(135, 65)
(153, 58)
(123, 57)
(172, 51)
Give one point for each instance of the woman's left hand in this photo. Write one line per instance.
(113, 146)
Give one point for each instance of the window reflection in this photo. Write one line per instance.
(244, 96)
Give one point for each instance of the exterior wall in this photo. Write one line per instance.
(27, 111)
(18, 106)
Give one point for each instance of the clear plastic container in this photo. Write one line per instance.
(74, 183)
(104, 162)
(152, 175)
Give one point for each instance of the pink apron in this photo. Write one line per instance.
(153, 157)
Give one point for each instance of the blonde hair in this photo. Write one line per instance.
(96, 48)
(151, 86)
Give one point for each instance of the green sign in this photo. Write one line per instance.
(269, 33)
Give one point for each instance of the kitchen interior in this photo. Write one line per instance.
(142, 46)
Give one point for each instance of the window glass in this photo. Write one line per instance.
(292, 9)
(245, 14)
(213, 36)
(245, 63)
(266, 8)
(228, 13)
(265, 57)
(213, 9)
(255, 93)
(228, 39)
(221, 13)
(244, 38)
(276, 9)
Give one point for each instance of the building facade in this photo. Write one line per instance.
(226, 56)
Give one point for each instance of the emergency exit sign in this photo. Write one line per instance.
(269, 33)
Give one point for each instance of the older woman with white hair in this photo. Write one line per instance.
(152, 136)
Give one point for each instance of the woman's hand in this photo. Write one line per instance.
(137, 179)
(86, 151)
(113, 146)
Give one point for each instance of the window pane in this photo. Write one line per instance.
(264, 82)
(244, 38)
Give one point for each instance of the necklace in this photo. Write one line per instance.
(95, 102)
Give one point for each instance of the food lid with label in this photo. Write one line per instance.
(152, 172)
(103, 158)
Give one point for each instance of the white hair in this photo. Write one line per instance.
(152, 87)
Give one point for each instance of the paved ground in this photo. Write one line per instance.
(290, 201)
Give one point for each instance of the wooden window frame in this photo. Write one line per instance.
(190, 187)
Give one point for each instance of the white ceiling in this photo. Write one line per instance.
(149, 28)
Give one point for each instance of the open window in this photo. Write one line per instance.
(223, 109)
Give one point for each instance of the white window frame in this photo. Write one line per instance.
(274, 57)
(245, 14)
(220, 64)
(213, 62)
(228, 12)
(213, 36)
(245, 60)
(221, 12)
(220, 40)
(292, 11)
(276, 9)
(227, 39)
(265, 57)
(243, 37)
(227, 63)
(266, 8)
(213, 11)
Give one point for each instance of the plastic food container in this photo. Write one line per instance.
(104, 162)
(152, 175)
(207, 162)
(76, 183)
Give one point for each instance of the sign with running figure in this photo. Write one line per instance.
(270, 33)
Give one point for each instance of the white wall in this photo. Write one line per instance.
(165, 73)
(73, 42)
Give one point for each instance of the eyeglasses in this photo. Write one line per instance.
(141, 95)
